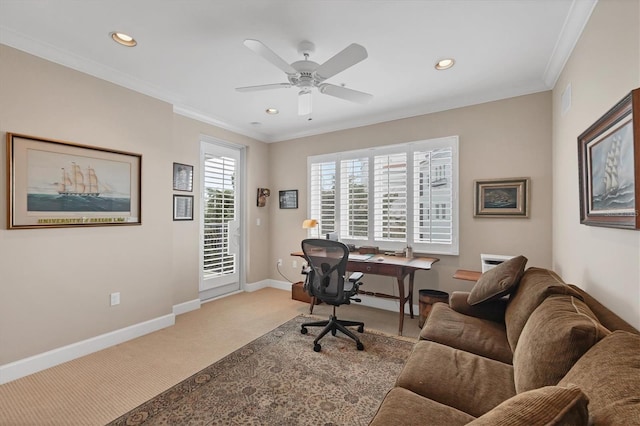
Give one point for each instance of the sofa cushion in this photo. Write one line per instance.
(535, 285)
(456, 378)
(556, 335)
(609, 374)
(606, 317)
(549, 405)
(498, 281)
(467, 333)
(403, 407)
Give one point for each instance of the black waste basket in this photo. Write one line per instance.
(426, 300)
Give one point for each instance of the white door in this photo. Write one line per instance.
(221, 226)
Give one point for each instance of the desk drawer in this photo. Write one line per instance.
(374, 268)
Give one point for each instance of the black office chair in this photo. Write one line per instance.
(326, 281)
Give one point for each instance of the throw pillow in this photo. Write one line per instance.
(498, 281)
(550, 405)
(556, 335)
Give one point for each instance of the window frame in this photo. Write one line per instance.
(409, 148)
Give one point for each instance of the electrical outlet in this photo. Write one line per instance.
(279, 262)
(115, 299)
(294, 264)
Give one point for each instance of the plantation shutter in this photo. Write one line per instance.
(219, 214)
(433, 202)
(354, 198)
(390, 197)
(323, 195)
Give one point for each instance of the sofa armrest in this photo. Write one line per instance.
(492, 310)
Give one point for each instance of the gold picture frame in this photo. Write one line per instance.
(56, 184)
(502, 198)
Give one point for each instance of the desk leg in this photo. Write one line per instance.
(402, 302)
(312, 304)
(411, 294)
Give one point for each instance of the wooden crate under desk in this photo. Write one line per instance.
(298, 293)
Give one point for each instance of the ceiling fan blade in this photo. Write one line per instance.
(263, 87)
(268, 54)
(304, 103)
(344, 93)
(350, 56)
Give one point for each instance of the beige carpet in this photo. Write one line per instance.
(279, 380)
(100, 387)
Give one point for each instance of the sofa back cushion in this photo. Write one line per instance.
(535, 285)
(609, 374)
(498, 281)
(549, 406)
(556, 335)
(606, 317)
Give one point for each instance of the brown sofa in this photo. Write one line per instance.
(539, 351)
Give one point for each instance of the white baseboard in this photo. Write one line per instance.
(183, 308)
(282, 285)
(33, 364)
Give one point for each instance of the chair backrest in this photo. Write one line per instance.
(328, 262)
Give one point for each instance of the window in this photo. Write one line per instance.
(390, 196)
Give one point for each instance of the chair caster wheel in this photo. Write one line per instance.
(303, 330)
(360, 346)
(360, 328)
(333, 332)
(317, 347)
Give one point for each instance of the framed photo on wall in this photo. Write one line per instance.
(182, 177)
(609, 167)
(289, 199)
(502, 198)
(55, 184)
(183, 207)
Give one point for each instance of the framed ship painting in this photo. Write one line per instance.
(502, 198)
(609, 167)
(55, 184)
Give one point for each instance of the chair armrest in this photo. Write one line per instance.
(492, 310)
(355, 277)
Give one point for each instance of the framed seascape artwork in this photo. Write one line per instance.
(54, 184)
(182, 177)
(609, 167)
(502, 198)
(183, 207)
(289, 199)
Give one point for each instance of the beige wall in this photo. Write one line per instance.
(508, 138)
(55, 283)
(603, 68)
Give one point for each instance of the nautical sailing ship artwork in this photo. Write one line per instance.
(66, 183)
(612, 172)
(609, 165)
(57, 184)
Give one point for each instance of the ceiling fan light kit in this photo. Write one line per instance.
(306, 74)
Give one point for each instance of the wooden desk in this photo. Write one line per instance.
(390, 266)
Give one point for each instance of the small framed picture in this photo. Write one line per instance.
(289, 199)
(502, 198)
(183, 207)
(182, 177)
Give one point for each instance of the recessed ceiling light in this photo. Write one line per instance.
(123, 39)
(271, 111)
(444, 64)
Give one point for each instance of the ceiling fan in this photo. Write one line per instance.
(306, 74)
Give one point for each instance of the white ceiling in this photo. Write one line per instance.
(190, 53)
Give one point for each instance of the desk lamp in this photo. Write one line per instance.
(311, 223)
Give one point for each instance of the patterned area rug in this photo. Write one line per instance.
(279, 380)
